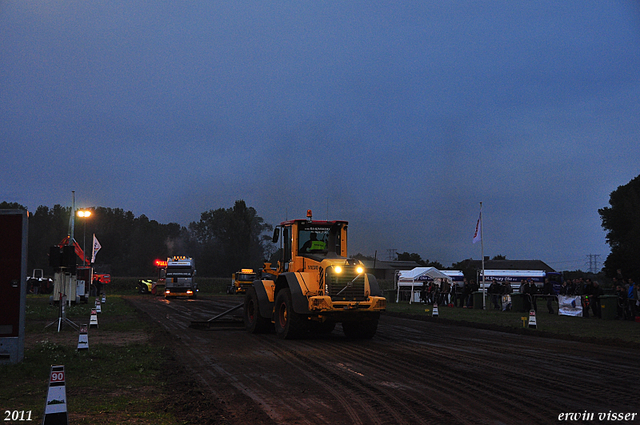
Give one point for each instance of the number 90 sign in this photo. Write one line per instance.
(57, 376)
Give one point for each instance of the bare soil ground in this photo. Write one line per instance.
(104, 337)
(411, 372)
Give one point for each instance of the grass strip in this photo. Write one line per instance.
(590, 329)
(117, 380)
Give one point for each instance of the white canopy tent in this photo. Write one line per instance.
(419, 274)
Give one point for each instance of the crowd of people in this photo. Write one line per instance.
(454, 295)
(626, 292)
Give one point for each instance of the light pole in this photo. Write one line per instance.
(84, 214)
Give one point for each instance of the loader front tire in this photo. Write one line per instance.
(253, 322)
(288, 323)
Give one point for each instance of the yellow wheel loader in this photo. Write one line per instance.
(314, 286)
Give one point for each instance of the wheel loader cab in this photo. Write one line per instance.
(318, 241)
(315, 240)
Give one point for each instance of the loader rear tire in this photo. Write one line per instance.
(288, 323)
(253, 322)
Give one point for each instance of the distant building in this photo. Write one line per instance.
(386, 270)
(471, 267)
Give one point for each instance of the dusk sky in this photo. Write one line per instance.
(400, 117)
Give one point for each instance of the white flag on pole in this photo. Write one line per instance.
(477, 236)
(96, 248)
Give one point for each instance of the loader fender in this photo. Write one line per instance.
(373, 285)
(299, 300)
(263, 288)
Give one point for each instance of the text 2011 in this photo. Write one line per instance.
(17, 415)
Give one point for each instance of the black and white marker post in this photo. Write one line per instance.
(55, 409)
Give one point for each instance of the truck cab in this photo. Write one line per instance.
(180, 277)
(241, 280)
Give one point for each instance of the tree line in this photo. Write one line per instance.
(222, 241)
(225, 240)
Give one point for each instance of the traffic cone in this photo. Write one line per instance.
(98, 306)
(94, 318)
(55, 409)
(532, 319)
(104, 298)
(435, 311)
(83, 338)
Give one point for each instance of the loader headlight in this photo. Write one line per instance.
(337, 269)
(360, 269)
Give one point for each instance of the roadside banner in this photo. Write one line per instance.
(569, 305)
(55, 410)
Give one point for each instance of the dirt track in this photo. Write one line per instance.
(410, 372)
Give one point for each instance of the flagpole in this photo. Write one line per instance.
(484, 287)
(72, 218)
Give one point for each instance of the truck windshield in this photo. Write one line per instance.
(245, 277)
(179, 271)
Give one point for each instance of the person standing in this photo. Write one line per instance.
(530, 290)
(637, 299)
(621, 309)
(506, 295)
(494, 291)
(596, 293)
(460, 291)
(526, 298)
(473, 287)
(465, 294)
(445, 289)
(631, 299)
(454, 293)
(549, 294)
(423, 293)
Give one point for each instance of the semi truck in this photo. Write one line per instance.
(314, 286)
(180, 277)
